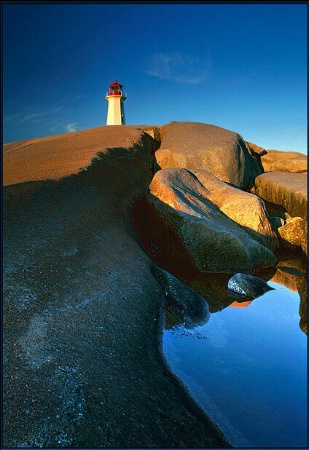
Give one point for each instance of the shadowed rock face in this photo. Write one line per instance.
(183, 304)
(217, 150)
(82, 321)
(185, 227)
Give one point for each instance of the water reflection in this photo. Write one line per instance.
(183, 305)
(247, 366)
(291, 272)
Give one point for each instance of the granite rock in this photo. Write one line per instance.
(221, 152)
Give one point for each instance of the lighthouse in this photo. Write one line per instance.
(115, 98)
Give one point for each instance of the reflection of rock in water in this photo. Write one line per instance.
(183, 304)
(240, 304)
(292, 273)
(303, 307)
(288, 273)
(248, 285)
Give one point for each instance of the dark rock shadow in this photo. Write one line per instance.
(183, 305)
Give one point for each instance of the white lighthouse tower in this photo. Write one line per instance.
(115, 98)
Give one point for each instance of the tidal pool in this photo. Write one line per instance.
(247, 367)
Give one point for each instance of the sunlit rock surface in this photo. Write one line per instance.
(244, 208)
(54, 157)
(286, 189)
(289, 192)
(279, 161)
(221, 152)
(240, 304)
(293, 233)
(184, 226)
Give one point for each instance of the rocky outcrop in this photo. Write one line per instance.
(289, 191)
(186, 228)
(54, 157)
(82, 323)
(83, 304)
(279, 161)
(196, 146)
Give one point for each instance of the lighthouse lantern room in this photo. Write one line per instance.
(115, 98)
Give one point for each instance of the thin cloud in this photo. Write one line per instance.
(11, 118)
(72, 127)
(36, 116)
(177, 67)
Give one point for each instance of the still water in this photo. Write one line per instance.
(247, 367)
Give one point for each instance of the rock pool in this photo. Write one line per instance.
(247, 367)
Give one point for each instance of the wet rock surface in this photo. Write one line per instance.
(248, 285)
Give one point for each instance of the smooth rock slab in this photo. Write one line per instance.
(278, 161)
(289, 191)
(286, 189)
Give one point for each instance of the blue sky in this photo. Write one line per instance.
(238, 66)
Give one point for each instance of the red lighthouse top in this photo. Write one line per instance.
(115, 88)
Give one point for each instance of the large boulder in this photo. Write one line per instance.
(184, 227)
(288, 191)
(82, 312)
(248, 285)
(221, 152)
(279, 161)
